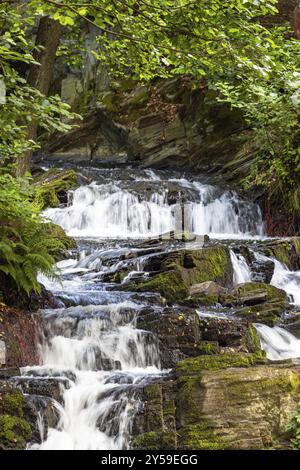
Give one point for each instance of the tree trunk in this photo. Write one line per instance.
(40, 76)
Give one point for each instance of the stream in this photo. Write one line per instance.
(91, 342)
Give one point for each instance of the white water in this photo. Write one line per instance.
(287, 280)
(96, 343)
(107, 356)
(241, 270)
(278, 343)
(284, 278)
(109, 211)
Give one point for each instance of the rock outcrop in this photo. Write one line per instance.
(173, 274)
(220, 402)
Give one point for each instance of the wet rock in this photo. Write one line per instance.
(261, 302)
(231, 401)
(286, 250)
(15, 428)
(262, 270)
(173, 274)
(11, 372)
(205, 293)
(177, 331)
(42, 414)
(229, 334)
(182, 334)
(43, 386)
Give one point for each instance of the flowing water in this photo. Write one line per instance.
(92, 341)
(241, 270)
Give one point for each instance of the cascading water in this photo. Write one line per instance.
(106, 357)
(241, 270)
(287, 280)
(278, 343)
(92, 341)
(109, 211)
(283, 278)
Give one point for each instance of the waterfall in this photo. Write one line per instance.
(110, 211)
(283, 278)
(106, 356)
(92, 344)
(241, 270)
(287, 280)
(278, 343)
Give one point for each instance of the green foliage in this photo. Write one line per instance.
(27, 246)
(294, 428)
(21, 104)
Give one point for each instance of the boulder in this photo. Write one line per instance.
(172, 274)
(177, 331)
(205, 293)
(42, 386)
(230, 334)
(15, 429)
(260, 302)
(181, 333)
(232, 402)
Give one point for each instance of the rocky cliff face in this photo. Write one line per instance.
(175, 123)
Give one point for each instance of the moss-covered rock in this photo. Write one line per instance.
(257, 302)
(51, 187)
(154, 440)
(200, 436)
(67, 242)
(15, 430)
(195, 365)
(174, 273)
(205, 293)
(287, 251)
(216, 407)
(230, 334)
(177, 332)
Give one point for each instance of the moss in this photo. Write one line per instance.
(48, 185)
(208, 347)
(286, 251)
(279, 385)
(209, 264)
(58, 232)
(267, 314)
(169, 284)
(180, 270)
(253, 341)
(204, 300)
(153, 399)
(259, 302)
(200, 436)
(155, 441)
(14, 431)
(110, 100)
(197, 364)
(187, 399)
(12, 403)
(257, 292)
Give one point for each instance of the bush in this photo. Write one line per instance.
(27, 244)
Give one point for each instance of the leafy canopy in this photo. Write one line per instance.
(250, 65)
